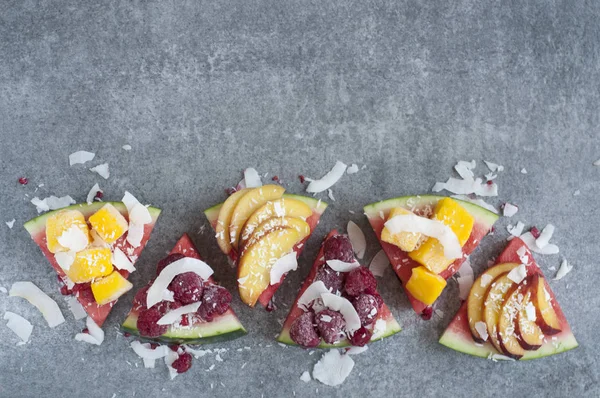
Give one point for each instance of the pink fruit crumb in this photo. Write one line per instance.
(301, 178)
(99, 196)
(183, 363)
(230, 191)
(427, 313)
(535, 232)
(275, 178)
(23, 180)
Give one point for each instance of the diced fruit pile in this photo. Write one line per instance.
(257, 227)
(337, 308)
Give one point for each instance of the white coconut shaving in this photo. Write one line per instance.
(75, 307)
(357, 350)
(341, 266)
(523, 255)
(102, 170)
(333, 368)
(19, 325)
(328, 180)
(74, 239)
(481, 329)
(10, 223)
(174, 315)
(81, 157)
(305, 377)
(485, 280)
(352, 169)
(465, 279)
(499, 357)
(490, 176)
(523, 171)
(330, 195)
(345, 307)
(564, 269)
(126, 147)
(312, 293)
(196, 353)
(510, 210)
(530, 312)
(465, 169)
(282, 266)
(545, 236)
(530, 241)
(379, 263)
(139, 214)
(478, 202)
(148, 354)
(95, 334)
(251, 178)
(40, 300)
(65, 259)
(427, 227)
(52, 203)
(121, 261)
(170, 358)
(515, 230)
(357, 238)
(493, 166)
(465, 187)
(92, 194)
(135, 233)
(517, 274)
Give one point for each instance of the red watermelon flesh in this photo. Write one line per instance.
(37, 229)
(458, 334)
(423, 205)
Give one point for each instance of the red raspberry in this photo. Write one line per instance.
(171, 258)
(331, 279)
(139, 301)
(187, 288)
(183, 363)
(427, 313)
(361, 337)
(147, 323)
(303, 331)
(367, 308)
(99, 195)
(360, 280)
(338, 247)
(23, 181)
(330, 325)
(215, 301)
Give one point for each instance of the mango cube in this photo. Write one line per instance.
(58, 223)
(424, 285)
(110, 288)
(406, 241)
(90, 264)
(431, 253)
(109, 223)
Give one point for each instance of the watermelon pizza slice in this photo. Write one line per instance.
(193, 308)
(258, 229)
(426, 239)
(338, 304)
(93, 248)
(510, 312)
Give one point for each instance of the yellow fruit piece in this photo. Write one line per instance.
(425, 286)
(406, 241)
(90, 264)
(431, 253)
(225, 214)
(58, 223)
(109, 223)
(275, 223)
(110, 288)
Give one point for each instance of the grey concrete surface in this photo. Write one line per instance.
(201, 90)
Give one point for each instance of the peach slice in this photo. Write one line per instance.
(507, 337)
(528, 332)
(275, 223)
(546, 317)
(224, 219)
(492, 306)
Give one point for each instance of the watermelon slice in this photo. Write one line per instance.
(222, 328)
(389, 325)
(377, 214)
(318, 207)
(37, 229)
(458, 335)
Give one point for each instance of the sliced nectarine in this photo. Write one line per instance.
(222, 227)
(492, 306)
(546, 317)
(274, 223)
(478, 293)
(528, 332)
(506, 324)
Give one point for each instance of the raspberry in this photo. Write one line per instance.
(367, 308)
(187, 288)
(302, 179)
(427, 313)
(330, 325)
(361, 337)
(535, 232)
(360, 280)
(23, 181)
(331, 279)
(171, 258)
(147, 323)
(98, 197)
(215, 301)
(338, 247)
(303, 331)
(139, 301)
(183, 363)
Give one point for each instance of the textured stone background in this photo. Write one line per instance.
(204, 89)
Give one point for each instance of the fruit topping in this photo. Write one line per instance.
(529, 334)
(424, 285)
(360, 280)
(90, 264)
(492, 306)
(357, 237)
(147, 322)
(215, 301)
(407, 241)
(361, 337)
(139, 301)
(110, 288)
(427, 313)
(506, 324)
(68, 226)
(171, 258)
(367, 308)
(40, 300)
(345, 307)
(23, 180)
(333, 281)
(187, 288)
(109, 223)
(183, 363)
(331, 325)
(546, 316)
(282, 266)
(338, 247)
(303, 332)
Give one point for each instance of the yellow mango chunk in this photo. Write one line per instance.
(110, 288)
(425, 286)
(406, 241)
(90, 264)
(58, 223)
(109, 223)
(431, 253)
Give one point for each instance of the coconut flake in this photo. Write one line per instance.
(481, 329)
(186, 264)
(171, 357)
(52, 203)
(510, 210)
(305, 377)
(65, 259)
(379, 329)
(173, 316)
(523, 171)
(545, 236)
(135, 233)
(19, 325)
(517, 274)
(129, 201)
(92, 194)
(40, 204)
(80, 157)
(357, 238)
(486, 279)
(285, 264)
(102, 170)
(523, 256)
(251, 178)
(478, 202)
(530, 240)
(493, 166)
(333, 368)
(425, 226)
(499, 357)
(379, 263)
(515, 230)
(328, 180)
(196, 353)
(341, 266)
(11, 223)
(345, 307)
(564, 269)
(95, 334)
(121, 261)
(144, 351)
(139, 214)
(465, 169)
(311, 293)
(330, 195)
(75, 307)
(73, 239)
(530, 312)
(352, 169)
(465, 279)
(40, 300)
(126, 147)
(356, 350)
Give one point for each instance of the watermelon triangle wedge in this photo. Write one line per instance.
(317, 207)
(37, 229)
(196, 331)
(556, 334)
(377, 214)
(384, 325)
